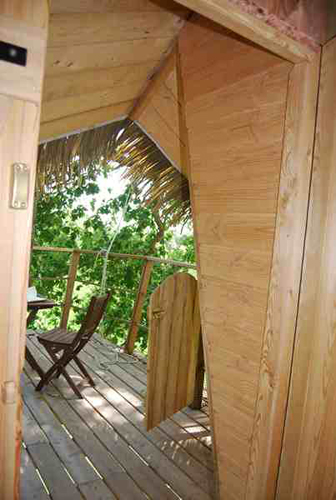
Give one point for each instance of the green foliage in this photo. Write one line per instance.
(64, 219)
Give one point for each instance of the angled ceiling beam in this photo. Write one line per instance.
(231, 16)
(157, 79)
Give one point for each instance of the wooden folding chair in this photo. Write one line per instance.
(64, 346)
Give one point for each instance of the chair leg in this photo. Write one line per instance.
(71, 383)
(59, 368)
(46, 378)
(33, 363)
(84, 371)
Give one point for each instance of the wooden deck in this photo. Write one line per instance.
(98, 448)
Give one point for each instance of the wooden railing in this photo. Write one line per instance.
(148, 263)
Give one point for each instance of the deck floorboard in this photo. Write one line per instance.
(98, 447)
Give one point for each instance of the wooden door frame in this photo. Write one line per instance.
(308, 457)
(23, 23)
(288, 250)
(28, 16)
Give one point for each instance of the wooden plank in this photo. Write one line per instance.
(62, 6)
(285, 280)
(68, 452)
(74, 105)
(118, 480)
(309, 450)
(31, 485)
(19, 126)
(97, 490)
(74, 262)
(156, 81)
(84, 121)
(67, 60)
(118, 255)
(199, 383)
(231, 16)
(197, 472)
(31, 430)
(24, 82)
(124, 381)
(171, 474)
(144, 476)
(138, 306)
(235, 158)
(156, 111)
(106, 27)
(308, 21)
(160, 131)
(53, 473)
(74, 84)
(182, 125)
(174, 335)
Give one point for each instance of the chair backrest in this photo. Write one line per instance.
(92, 318)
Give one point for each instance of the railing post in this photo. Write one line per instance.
(70, 287)
(138, 305)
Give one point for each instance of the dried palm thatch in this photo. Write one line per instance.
(68, 160)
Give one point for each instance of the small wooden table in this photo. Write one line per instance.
(34, 306)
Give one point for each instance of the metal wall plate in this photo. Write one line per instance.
(20, 186)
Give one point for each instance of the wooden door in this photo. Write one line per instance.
(23, 23)
(308, 470)
(174, 340)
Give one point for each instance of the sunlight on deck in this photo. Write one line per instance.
(98, 447)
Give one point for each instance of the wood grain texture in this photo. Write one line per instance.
(73, 105)
(305, 20)
(86, 82)
(154, 85)
(285, 280)
(104, 53)
(19, 125)
(138, 306)
(309, 452)
(174, 337)
(157, 110)
(72, 274)
(84, 121)
(230, 15)
(74, 29)
(22, 82)
(62, 6)
(235, 127)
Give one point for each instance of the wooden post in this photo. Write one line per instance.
(137, 310)
(24, 25)
(199, 382)
(70, 287)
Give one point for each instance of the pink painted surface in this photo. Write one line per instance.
(303, 20)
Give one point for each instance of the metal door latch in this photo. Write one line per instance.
(8, 393)
(158, 313)
(20, 186)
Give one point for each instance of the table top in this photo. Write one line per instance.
(41, 304)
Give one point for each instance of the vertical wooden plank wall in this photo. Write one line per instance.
(307, 469)
(23, 23)
(242, 139)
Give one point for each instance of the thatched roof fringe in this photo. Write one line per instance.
(67, 160)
